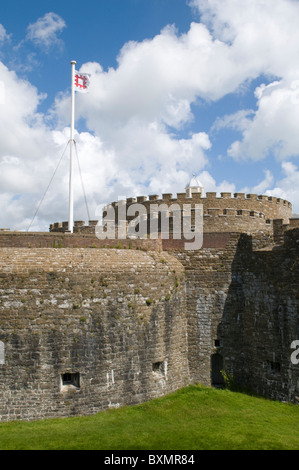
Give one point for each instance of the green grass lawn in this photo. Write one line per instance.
(194, 418)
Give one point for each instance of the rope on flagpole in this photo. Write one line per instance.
(42, 199)
(84, 193)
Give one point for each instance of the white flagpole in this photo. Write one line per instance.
(71, 196)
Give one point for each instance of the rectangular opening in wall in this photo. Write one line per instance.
(160, 368)
(70, 380)
(273, 367)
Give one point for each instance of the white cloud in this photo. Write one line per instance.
(238, 121)
(137, 112)
(210, 185)
(3, 34)
(158, 80)
(262, 33)
(273, 128)
(264, 37)
(44, 32)
(261, 187)
(288, 187)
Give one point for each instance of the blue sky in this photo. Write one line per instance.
(177, 86)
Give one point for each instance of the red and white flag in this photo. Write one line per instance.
(82, 81)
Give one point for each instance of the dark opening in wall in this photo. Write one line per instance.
(273, 367)
(160, 367)
(70, 379)
(216, 368)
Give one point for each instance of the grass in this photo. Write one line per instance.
(194, 418)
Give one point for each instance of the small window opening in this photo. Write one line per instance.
(69, 379)
(160, 368)
(273, 367)
(217, 343)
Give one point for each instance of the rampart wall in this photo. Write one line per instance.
(243, 314)
(68, 240)
(85, 330)
(261, 319)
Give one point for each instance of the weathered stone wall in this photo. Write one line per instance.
(69, 240)
(261, 318)
(129, 325)
(243, 314)
(113, 319)
(208, 278)
(240, 213)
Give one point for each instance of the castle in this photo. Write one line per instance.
(88, 323)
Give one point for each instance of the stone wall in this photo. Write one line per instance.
(240, 213)
(226, 213)
(208, 279)
(243, 314)
(69, 240)
(84, 330)
(261, 319)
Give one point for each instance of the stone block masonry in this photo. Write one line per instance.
(243, 314)
(84, 330)
(240, 213)
(261, 318)
(208, 278)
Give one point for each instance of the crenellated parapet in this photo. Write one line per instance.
(224, 213)
(80, 226)
(228, 212)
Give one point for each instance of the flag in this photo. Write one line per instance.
(82, 81)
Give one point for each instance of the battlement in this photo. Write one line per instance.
(237, 205)
(198, 198)
(80, 226)
(238, 212)
(147, 316)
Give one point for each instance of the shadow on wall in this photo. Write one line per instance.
(260, 321)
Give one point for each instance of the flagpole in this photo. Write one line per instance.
(71, 196)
